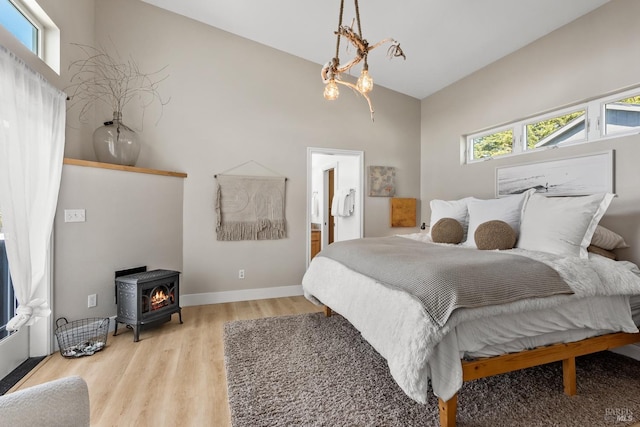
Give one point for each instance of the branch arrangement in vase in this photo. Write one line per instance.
(102, 77)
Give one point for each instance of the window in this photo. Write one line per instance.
(493, 144)
(600, 118)
(622, 115)
(556, 130)
(29, 23)
(18, 23)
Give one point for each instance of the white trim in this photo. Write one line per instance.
(189, 300)
(631, 350)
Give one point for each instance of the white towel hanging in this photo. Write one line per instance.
(343, 203)
(315, 205)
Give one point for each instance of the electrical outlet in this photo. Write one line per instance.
(74, 215)
(241, 274)
(92, 300)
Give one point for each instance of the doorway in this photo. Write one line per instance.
(329, 171)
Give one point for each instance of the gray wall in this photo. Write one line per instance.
(234, 100)
(132, 219)
(592, 56)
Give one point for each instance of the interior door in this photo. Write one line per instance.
(330, 222)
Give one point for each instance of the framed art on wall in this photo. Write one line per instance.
(382, 181)
(573, 176)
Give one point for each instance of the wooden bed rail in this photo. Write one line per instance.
(567, 353)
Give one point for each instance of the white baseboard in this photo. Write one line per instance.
(243, 295)
(631, 350)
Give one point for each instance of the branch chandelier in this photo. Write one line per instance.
(332, 70)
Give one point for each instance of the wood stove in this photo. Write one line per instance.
(147, 297)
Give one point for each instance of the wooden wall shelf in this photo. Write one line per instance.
(87, 163)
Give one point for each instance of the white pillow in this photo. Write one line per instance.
(561, 225)
(456, 209)
(507, 209)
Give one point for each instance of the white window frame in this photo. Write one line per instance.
(26, 12)
(48, 32)
(594, 126)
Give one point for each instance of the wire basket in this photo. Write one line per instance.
(81, 337)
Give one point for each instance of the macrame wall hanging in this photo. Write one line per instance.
(250, 207)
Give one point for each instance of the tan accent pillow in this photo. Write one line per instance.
(447, 230)
(607, 239)
(603, 252)
(495, 234)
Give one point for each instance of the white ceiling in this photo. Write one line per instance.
(444, 40)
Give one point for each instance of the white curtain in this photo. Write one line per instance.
(32, 122)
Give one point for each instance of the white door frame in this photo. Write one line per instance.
(359, 190)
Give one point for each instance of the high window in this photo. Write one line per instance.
(492, 144)
(29, 23)
(601, 118)
(16, 18)
(622, 115)
(556, 130)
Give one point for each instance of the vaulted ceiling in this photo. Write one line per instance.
(444, 40)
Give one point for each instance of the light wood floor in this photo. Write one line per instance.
(174, 376)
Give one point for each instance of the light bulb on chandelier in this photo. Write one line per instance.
(365, 82)
(331, 91)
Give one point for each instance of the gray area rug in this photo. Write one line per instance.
(315, 371)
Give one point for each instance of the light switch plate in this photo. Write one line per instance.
(74, 215)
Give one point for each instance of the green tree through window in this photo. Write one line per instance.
(538, 131)
(633, 100)
(494, 144)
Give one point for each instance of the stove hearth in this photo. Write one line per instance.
(147, 297)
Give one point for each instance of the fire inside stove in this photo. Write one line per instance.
(160, 298)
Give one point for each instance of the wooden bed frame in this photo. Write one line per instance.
(567, 353)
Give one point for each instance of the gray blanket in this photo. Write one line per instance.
(444, 278)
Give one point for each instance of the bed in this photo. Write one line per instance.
(426, 354)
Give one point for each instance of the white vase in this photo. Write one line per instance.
(116, 143)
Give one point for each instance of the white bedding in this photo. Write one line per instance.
(395, 324)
